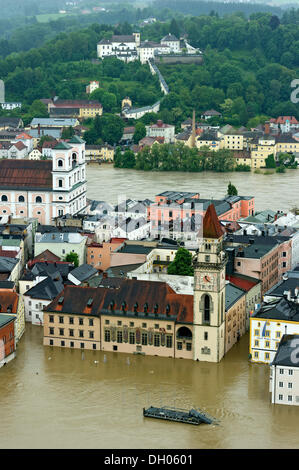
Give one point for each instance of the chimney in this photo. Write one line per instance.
(193, 130)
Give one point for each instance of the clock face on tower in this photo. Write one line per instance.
(207, 281)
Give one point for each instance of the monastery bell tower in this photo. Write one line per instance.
(209, 291)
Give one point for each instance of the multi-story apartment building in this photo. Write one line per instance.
(268, 325)
(284, 372)
(7, 338)
(45, 189)
(160, 129)
(80, 109)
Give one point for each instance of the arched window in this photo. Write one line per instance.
(4, 198)
(21, 199)
(207, 309)
(38, 199)
(60, 163)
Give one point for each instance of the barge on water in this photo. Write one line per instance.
(181, 416)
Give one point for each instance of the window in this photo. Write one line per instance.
(119, 336)
(4, 198)
(280, 384)
(82, 345)
(107, 336)
(61, 331)
(267, 356)
(51, 318)
(206, 335)
(81, 321)
(60, 163)
(290, 398)
(71, 320)
(119, 323)
(81, 333)
(61, 320)
(51, 331)
(290, 372)
(168, 327)
(207, 258)
(38, 199)
(256, 342)
(256, 355)
(157, 340)
(62, 343)
(71, 332)
(256, 332)
(169, 341)
(94, 346)
(156, 326)
(144, 339)
(290, 385)
(278, 334)
(281, 371)
(60, 183)
(21, 199)
(180, 345)
(280, 397)
(131, 323)
(267, 344)
(51, 342)
(72, 344)
(189, 346)
(90, 322)
(91, 334)
(207, 309)
(132, 338)
(107, 322)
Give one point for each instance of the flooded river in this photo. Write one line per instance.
(56, 398)
(59, 398)
(276, 191)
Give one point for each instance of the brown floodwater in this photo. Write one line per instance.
(275, 191)
(59, 398)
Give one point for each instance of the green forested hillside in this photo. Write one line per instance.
(247, 71)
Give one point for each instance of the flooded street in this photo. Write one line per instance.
(55, 398)
(276, 191)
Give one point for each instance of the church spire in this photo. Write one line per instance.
(211, 225)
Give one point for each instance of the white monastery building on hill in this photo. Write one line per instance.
(129, 48)
(45, 189)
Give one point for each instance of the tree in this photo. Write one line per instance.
(174, 28)
(72, 258)
(140, 132)
(232, 190)
(182, 263)
(270, 161)
(67, 132)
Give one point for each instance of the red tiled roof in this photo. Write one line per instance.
(245, 284)
(126, 290)
(8, 254)
(211, 225)
(46, 255)
(8, 298)
(76, 104)
(24, 136)
(25, 174)
(282, 120)
(19, 145)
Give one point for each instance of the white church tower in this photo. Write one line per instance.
(209, 292)
(69, 177)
